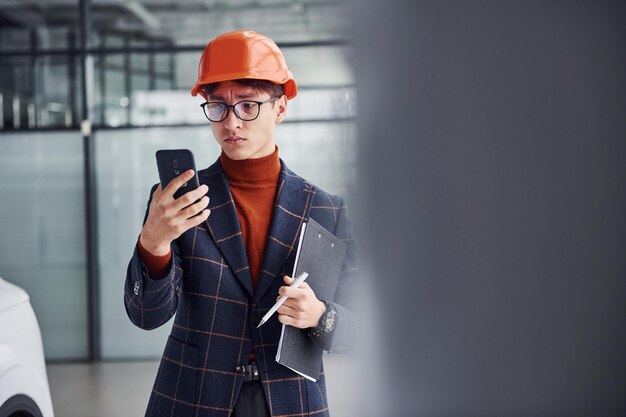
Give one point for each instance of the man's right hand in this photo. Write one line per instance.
(168, 218)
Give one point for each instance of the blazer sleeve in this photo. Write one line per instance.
(343, 337)
(150, 302)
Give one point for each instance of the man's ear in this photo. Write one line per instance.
(281, 109)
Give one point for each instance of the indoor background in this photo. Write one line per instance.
(73, 201)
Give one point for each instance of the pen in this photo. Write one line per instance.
(299, 280)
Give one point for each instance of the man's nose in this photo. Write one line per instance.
(231, 121)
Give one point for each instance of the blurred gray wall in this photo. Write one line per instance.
(492, 218)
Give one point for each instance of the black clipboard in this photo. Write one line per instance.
(321, 254)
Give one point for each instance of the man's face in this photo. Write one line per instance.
(241, 139)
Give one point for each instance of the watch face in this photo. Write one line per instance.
(329, 323)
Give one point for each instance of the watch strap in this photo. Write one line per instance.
(327, 322)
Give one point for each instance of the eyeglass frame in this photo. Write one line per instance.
(229, 106)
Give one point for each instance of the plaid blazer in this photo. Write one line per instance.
(209, 288)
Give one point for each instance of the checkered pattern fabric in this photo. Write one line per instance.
(209, 288)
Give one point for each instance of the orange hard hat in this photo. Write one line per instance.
(243, 54)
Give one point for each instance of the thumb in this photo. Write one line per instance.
(288, 280)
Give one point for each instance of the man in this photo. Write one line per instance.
(219, 256)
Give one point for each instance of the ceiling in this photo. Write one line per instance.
(191, 22)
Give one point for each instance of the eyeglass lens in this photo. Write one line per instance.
(245, 110)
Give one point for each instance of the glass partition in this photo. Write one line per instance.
(39, 92)
(42, 230)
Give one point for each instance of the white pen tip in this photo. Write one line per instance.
(260, 324)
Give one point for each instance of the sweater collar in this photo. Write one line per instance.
(252, 169)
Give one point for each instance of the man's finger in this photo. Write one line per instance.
(190, 197)
(195, 208)
(285, 309)
(178, 182)
(196, 220)
(156, 195)
(291, 292)
(284, 290)
(285, 319)
(288, 280)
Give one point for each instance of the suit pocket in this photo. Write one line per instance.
(316, 398)
(174, 392)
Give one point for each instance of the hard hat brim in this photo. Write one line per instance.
(291, 89)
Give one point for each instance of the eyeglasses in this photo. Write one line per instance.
(246, 110)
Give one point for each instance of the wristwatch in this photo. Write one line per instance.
(327, 322)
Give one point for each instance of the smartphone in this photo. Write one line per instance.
(173, 162)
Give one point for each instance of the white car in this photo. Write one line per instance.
(24, 389)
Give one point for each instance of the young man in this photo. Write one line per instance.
(219, 256)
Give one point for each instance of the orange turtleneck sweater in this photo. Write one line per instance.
(253, 184)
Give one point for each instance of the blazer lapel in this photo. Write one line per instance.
(291, 209)
(223, 224)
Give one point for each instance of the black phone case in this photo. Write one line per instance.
(173, 162)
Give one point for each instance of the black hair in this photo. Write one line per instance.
(260, 86)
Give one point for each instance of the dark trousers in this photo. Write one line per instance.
(251, 401)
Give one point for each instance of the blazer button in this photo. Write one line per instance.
(240, 369)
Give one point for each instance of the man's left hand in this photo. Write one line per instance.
(302, 309)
